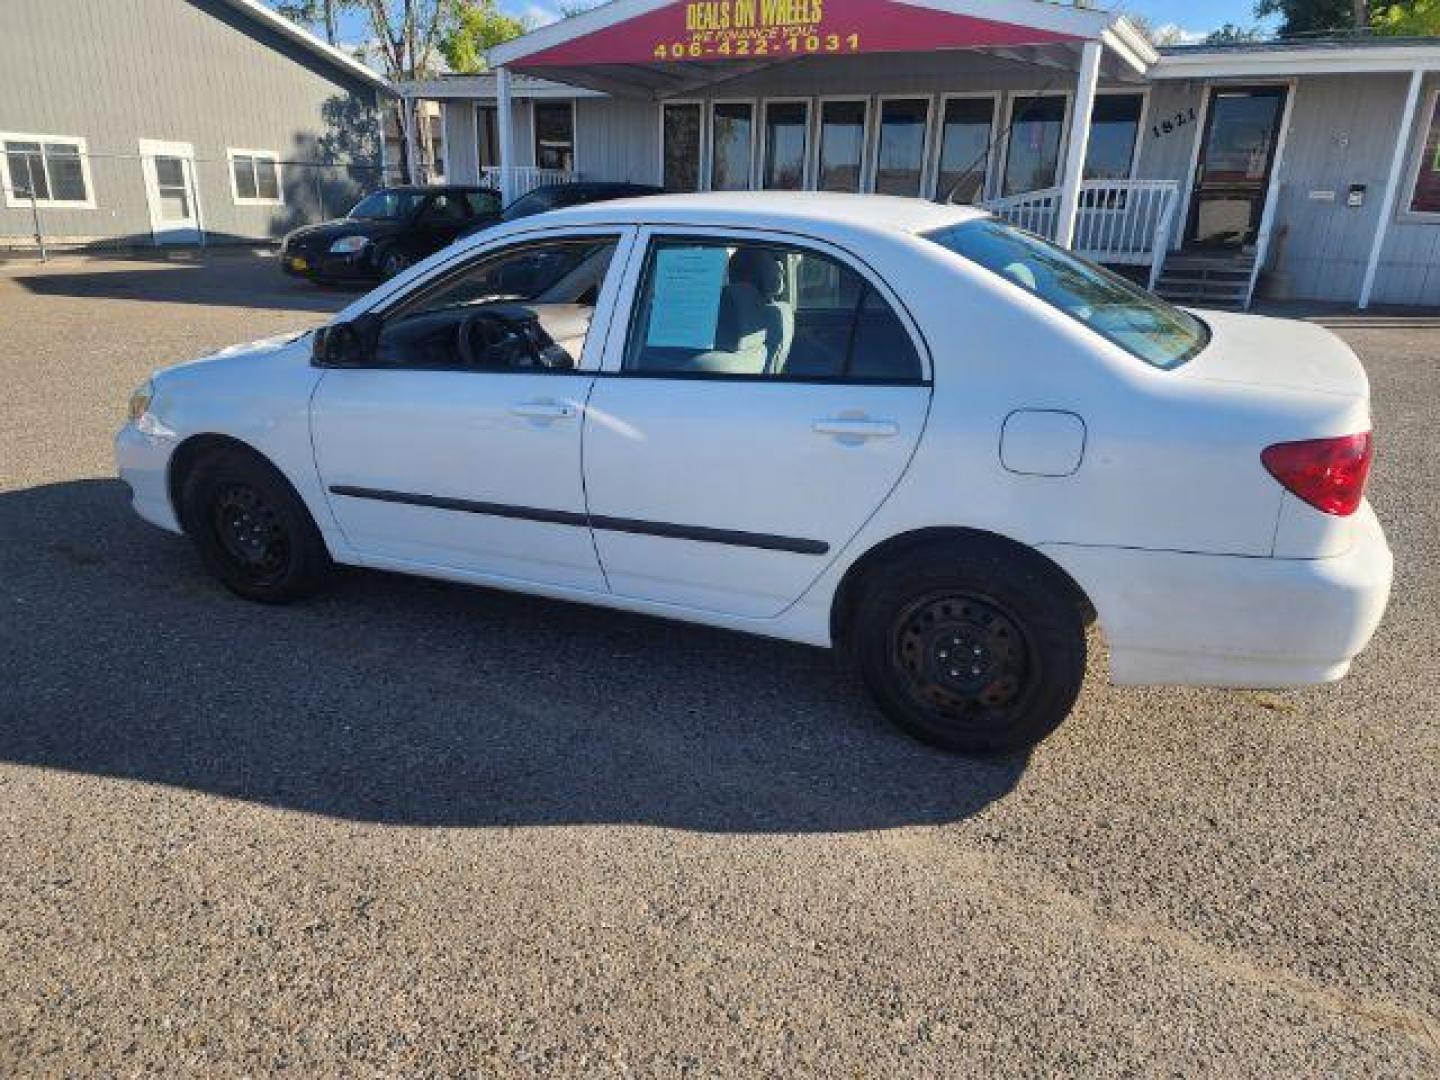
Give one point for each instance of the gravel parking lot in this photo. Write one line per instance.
(411, 827)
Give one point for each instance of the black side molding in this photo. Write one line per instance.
(701, 533)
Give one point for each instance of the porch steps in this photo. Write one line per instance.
(1205, 280)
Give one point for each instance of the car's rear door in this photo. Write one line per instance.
(760, 398)
(438, 459)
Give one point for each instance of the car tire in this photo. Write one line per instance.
(393, 262)
(974, 648)
(251, 529)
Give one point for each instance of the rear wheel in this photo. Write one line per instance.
(972, 648)
(251, 529)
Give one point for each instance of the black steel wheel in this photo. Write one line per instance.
(393, 262)
(975, 648)
(250, 528)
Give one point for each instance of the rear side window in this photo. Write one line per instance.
(1121, 312)
(720, 308)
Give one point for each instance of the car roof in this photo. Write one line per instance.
(772, 209)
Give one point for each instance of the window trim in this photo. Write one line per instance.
(865, 135)
(927, 147)
(992, 156)
(1419, 136)
(752, 175)
(535, 106)
(627, 305)
(16, 201)
(702, 167)
(807, 181)
(231, 153)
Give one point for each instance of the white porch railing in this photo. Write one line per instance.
(1124, 222)
(525, 177)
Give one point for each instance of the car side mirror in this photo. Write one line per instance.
(346, 344)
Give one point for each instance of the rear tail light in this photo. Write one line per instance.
(1329, 474)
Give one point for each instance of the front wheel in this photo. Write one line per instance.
(393, 262)
(972, 648)
(251, 529)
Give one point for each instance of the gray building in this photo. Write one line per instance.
(176, 121)
(1296, 170)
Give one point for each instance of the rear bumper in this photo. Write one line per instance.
(1231, 621)
(143, 461)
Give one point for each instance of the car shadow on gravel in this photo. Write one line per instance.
(228, 282)
(398, 700)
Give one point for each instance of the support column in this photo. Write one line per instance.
(1078, 144)
(505, 119)
(1392, 187)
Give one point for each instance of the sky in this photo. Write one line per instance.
(1193, 18)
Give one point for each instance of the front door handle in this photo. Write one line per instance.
(857, 427)
(543, 410)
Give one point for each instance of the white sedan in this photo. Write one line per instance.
(898, 428)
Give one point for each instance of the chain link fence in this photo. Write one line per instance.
(54, 200)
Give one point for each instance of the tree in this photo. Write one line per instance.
(478, 26)
(1159, 36)
(323, 14)
(1310, 16)
(1420, 18)
(1230, 34)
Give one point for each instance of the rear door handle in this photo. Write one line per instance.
(857, 428)
(543, 410)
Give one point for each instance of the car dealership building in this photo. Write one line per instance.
(1307, 170)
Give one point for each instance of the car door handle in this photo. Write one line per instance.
(857, 427)
(543, 410)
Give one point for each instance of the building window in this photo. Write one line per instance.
(842, 145)
(554, 135)
(54, 169)
(966, 129)
(732, 141)
(900, 149)
(1032, 159)
(255, 177)
(1114, 127)
(1425, 196)
(680, 146)
(787, 142)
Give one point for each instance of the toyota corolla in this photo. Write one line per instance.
(904, 430)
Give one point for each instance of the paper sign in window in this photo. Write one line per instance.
(685, 299)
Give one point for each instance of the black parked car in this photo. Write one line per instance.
(387, 231)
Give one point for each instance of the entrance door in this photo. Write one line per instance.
(1237, 153)
(169, 169)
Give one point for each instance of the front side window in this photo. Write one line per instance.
(1032, 158)
(900, 155)
(388, 205)
(681, 146)
(50, 170)
(525, 308)
(554, 135)
(1425, 197)
(1114, 127)
(1121, 312)
(732, 135)
(787, 128)
(736, 309)
(255, 177)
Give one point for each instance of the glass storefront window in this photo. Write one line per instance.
(900, 154)
(681, 154)
(1114, 127)
(1032, 161)
(554, 135)
(842, 145)
(967, 126)
(732, 135)
(787, 126)
(1425, 198)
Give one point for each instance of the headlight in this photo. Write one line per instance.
(140, 401)
(349, 245)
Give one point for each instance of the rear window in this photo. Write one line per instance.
(1117, 309)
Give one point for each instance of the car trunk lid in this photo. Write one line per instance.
(1279, 354)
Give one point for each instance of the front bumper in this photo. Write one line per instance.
(327, 267)
(1232, 621)
(142, 458)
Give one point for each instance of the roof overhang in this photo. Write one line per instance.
(1280, 61)
(302, 37)
(657, 48)
(481, 87)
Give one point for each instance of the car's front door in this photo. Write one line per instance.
(762, 402)
(458, 445)
(443, 217)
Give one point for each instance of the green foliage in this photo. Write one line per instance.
(1230, 34)
(1400, 17)
(1418, 18)
(477, 25)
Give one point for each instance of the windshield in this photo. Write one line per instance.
(1121, 312)
(536, 202)
(387, 205)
